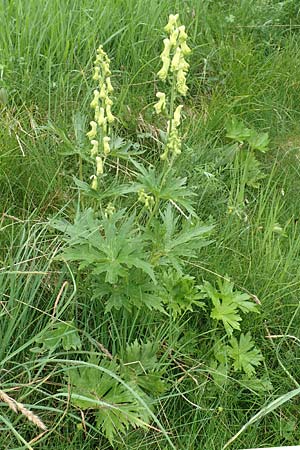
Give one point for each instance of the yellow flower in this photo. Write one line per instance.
(172, 23)
(110, 117)
(161, 104)
(94, 150)
(182, 34)
(173, 37)
(177, 116)
(99, 116)
(102, 93)
(174, 142)
(106, 147)
(181, 82)
(93, 132)
(95, 101)
(176, 60)
(96, 75)
(109, 85)
(185, 48)
(166, 51)
(163, 73)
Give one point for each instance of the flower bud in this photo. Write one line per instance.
(94, 184)
(99, 165)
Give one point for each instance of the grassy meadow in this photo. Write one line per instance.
(159, 310)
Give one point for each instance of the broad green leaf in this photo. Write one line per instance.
(237, 131)
(258, 141)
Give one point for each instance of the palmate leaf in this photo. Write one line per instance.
(259, 385)
(228, 304)
(116, 409)
(111, 245)
(134, 291)
(227, 313)
(165, 187)
(171, 243)
(252, 171)
(140, 366)
(179, 292)
(60, 334)
(244, 354)
(113, 190)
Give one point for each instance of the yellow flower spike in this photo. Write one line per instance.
(95, 101)
(176, 60)
(106, 147)
(163, 73)
(94, 150)
(93, 132)
(172, 23)
(110, 117)
(99, 165)
(161, 104)
(177, 116)
(109, 85)
(181, 82)
(94, 184)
